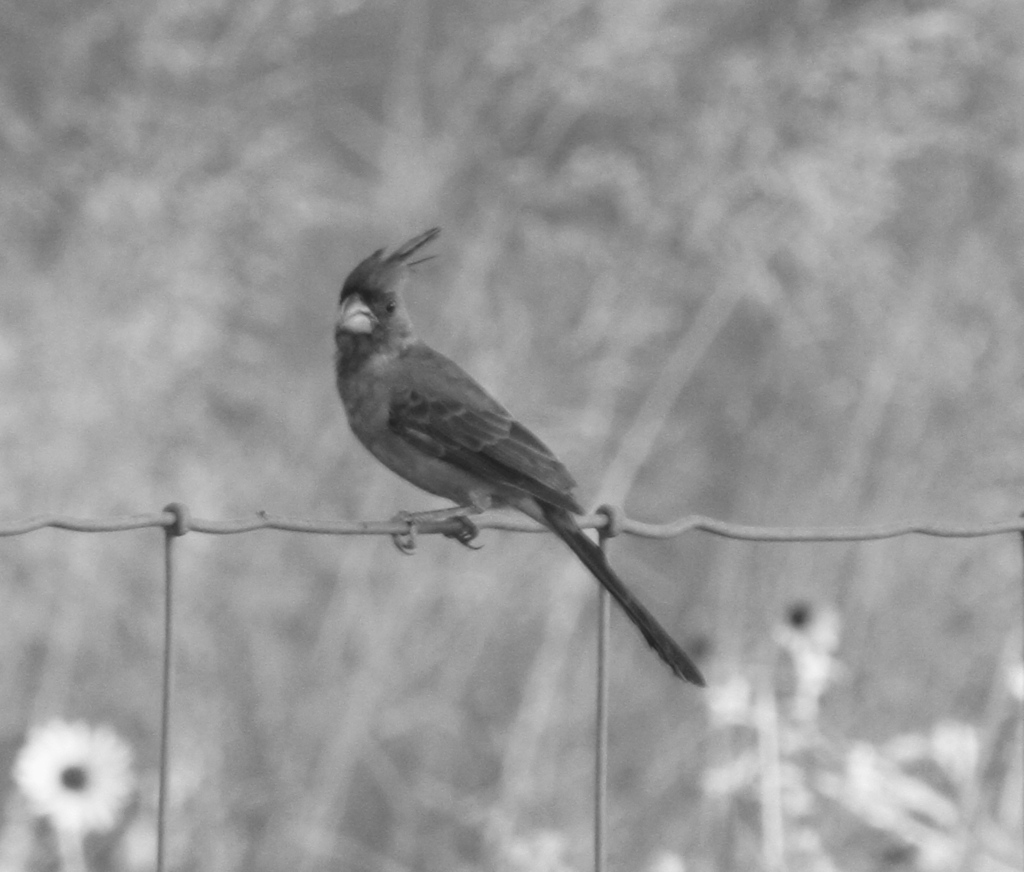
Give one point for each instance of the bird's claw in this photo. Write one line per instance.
(466, 534)
(406, 540)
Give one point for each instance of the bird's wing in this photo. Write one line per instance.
(441, 410)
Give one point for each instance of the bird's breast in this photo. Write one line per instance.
(366, 396)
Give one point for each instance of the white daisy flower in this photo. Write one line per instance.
(80, 777)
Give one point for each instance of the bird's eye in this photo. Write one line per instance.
(390, 306)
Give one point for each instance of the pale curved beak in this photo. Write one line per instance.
(355, 316)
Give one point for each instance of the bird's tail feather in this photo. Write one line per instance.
(565, 526)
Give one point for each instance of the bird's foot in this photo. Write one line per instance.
(466, 534)
(406, 540)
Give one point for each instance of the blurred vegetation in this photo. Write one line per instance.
(755, 259)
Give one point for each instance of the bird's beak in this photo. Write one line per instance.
(355, 316)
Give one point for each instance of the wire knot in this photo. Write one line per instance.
(616, 521)
(182, 521)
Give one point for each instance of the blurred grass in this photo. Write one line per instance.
(756, 260)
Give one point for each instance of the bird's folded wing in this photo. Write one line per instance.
(446, 414)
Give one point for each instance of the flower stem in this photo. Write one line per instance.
(72, 849)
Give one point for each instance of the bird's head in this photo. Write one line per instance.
(371, 304)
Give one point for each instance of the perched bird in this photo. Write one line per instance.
(426, 419)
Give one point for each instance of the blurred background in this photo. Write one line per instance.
(759, 259)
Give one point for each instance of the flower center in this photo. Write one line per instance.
(74, 778)
(799, 615)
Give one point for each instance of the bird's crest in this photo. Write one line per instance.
(378, 271)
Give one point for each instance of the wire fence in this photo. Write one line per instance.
(609, 521)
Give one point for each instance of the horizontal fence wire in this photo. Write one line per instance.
(182, 521)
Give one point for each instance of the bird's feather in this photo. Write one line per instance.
(441, 410)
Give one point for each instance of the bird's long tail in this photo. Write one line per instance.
(564, 525)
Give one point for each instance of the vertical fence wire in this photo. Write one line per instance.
(165, 698)
(601, 728)
(611, 529)
(178, 527)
